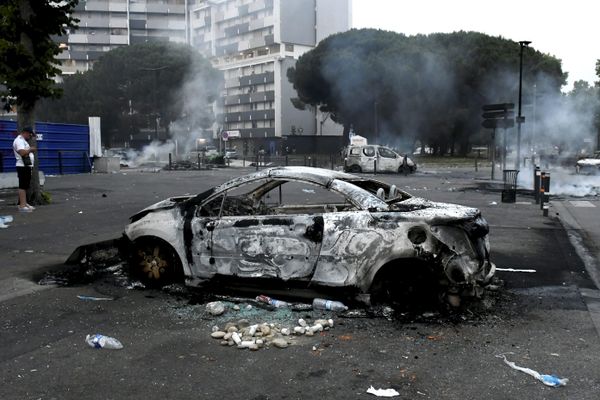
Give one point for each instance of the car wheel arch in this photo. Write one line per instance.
(399, 274)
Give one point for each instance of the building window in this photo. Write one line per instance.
(289, 47)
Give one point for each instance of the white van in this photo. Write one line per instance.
(367, 158)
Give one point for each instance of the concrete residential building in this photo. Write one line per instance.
(254, 42)
(107, 24)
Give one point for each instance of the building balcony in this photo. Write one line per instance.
(257, 79)
(248, 116)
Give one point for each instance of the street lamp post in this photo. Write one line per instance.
(520, 118)
(375, 123)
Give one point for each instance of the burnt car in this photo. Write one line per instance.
(315, 227)
(590, 165)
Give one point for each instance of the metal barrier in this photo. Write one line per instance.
(509, 193)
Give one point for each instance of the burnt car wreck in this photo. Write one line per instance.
(314, 227)
(302, 227)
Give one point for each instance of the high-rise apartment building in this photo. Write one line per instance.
(253, 42)
(107, 24)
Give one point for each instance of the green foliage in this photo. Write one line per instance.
(27, 49)
(47, 197)
(131, 85)
(425, 87)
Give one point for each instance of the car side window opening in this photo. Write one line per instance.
(293, 197)
(369, 151)
(387, 153)
(355, 151)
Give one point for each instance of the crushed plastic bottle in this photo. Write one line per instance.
(99, 341)
(329, 305)
(548, 380)
(274, 302)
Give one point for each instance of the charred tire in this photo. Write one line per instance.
(355, 169)
(155, 262)
(408, 285)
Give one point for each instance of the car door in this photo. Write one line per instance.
(255, 243)
(387, 160)
(368, 158)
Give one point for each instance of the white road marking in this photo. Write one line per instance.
(581, 203)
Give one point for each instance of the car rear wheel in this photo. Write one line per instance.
(356, 169)
(155, 262)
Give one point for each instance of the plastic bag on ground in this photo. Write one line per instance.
(383, 392)
(548, 380)
(99, 341)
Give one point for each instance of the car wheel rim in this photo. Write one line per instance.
(153, 264)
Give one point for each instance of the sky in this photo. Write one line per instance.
(568, 30)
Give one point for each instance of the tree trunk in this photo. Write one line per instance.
(26, 113)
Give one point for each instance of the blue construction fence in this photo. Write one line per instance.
(62, 148)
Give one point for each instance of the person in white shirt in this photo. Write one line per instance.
(25, 159)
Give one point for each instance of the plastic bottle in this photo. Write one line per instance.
(274, 302)
(329, 305)
(99, 341)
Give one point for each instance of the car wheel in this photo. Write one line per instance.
(403, 170)
(155, 262)
(355, 169)
(408, 285)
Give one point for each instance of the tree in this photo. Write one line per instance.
(129, 87)
(28, 58)
(425, 87)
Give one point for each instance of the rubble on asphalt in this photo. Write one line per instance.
(244, 335)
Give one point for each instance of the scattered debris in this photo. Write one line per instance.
(274, 302)
(5, 219)
(548, 380)
(92, 298)
(245, 336)
(215, 308)
(329, 305)
(515, 270)
(383, 392)
(99, 341)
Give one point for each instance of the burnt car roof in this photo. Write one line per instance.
(319, 176)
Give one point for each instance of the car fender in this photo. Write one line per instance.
(166, 225)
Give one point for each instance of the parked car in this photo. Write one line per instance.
(588, 165)
(367, 158)
(311, 226)
(231, 154)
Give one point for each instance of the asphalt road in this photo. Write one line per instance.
(542, 320)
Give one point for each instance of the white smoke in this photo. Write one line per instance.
(564, 182)
(196, 121)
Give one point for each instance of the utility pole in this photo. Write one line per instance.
(520, 118)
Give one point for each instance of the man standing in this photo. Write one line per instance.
(25, 159)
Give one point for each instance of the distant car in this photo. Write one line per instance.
(312, 226)
(231, 154)
(365, 158)
(589, 165)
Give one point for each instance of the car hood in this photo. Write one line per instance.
(161, 205)
(435, 212)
